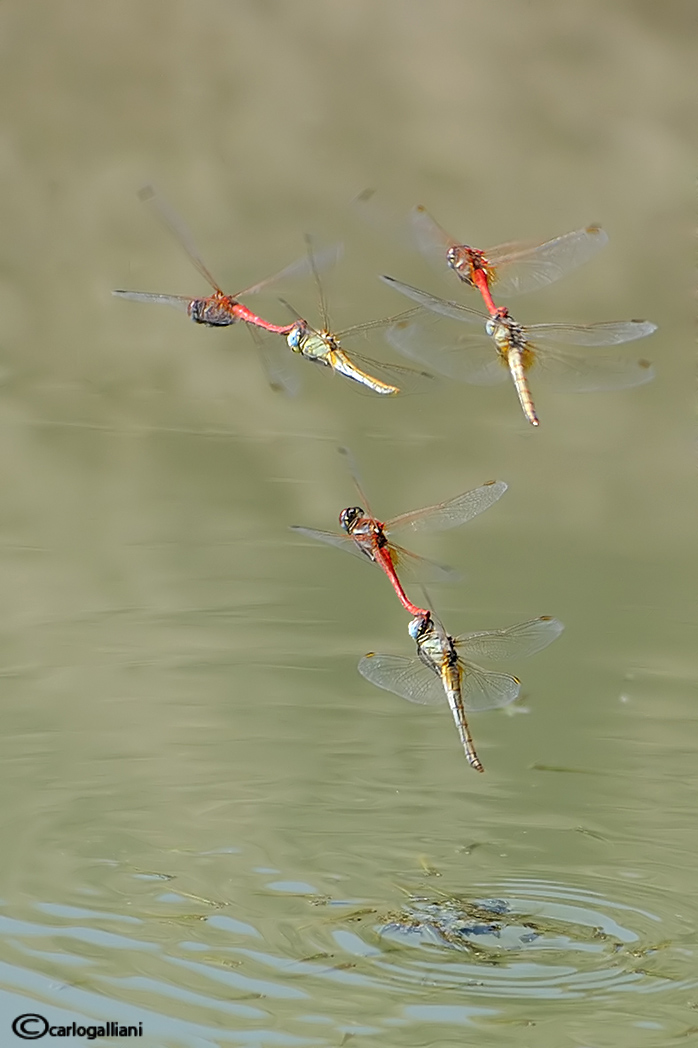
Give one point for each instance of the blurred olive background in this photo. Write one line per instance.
(198, 790)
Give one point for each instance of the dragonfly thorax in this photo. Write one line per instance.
(507, 334)
(216, 311)
(329, 340)
(435, 647)
(312, 344)
(437, 652)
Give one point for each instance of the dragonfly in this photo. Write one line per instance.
(219, 309)
(444, 670)
(513, 267)
(366, 537)
(323, 346)
(540, 347)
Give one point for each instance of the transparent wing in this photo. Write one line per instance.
(432, 240)
(581, 371)
(575, 371)
(382, 218)
(420, 569)
(407, 677)
(319, 260)
(277, 363)
(353, 468)
(517, 266)
(332, 538)
(409, 564)
(406, 380)
(279, 369)
(178, 229)
(525, 638)
(452, 513)
(372, 325)
(308, 265)
(437, 305)
(177, 301)
(465, 357)
(322, 300)
(487, 691)
(521, 266)
(605, 333)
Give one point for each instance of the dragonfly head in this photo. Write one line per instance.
(418, 626)
(296, 335)
(502, 330)
(349, 518)
(460, 261)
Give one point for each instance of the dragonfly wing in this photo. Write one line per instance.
(178, 301)
(310, 263)
(525, 638)
(402, 379)
(579, 371)
(421, 569)
(466, 358)
(432, 240)
(407, 677)
(437, 305)
(487, 691)
(452, 513)
(382, 219)
(177, 227)
(528, 266)
(605, 333)
(277, 363)
(331, 538)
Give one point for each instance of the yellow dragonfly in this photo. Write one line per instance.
(444, 671)
(542, 348)
(323, 346)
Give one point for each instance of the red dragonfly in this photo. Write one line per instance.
(514, 267)
(367, 537)
(219, 309)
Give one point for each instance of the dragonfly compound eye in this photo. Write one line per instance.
(293, 339)
(196, 311)
(348, 517)
(490, 328)
(418, 626)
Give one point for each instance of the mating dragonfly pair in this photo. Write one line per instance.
(510, 268)
(444, 668)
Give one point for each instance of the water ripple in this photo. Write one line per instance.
(302, 959)
(517, 939)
